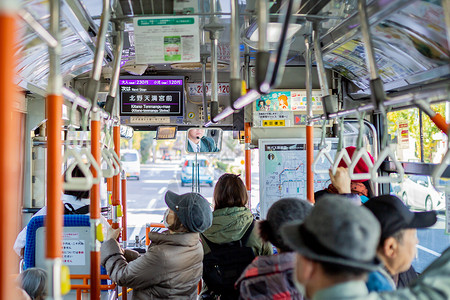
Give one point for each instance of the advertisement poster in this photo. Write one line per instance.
(166, 39)
(288, 101)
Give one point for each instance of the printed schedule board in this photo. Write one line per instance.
(283, 170)
(166, 39)
(151, 96)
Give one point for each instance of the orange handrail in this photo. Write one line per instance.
(9, 153)
(116, 179)
(85, 287)
(95, 208)
(309, 162)
(157, 225)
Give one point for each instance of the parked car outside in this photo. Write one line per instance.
(205, 169)
(166, 156)
(418, 192)
(131, 163)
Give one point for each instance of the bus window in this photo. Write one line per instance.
(145, 198)
(417, 140)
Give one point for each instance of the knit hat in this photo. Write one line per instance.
(360, 167)
(192, 209)
(281, 212)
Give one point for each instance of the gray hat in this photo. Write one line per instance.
(336, 231)
(192, 209)
(281, 212)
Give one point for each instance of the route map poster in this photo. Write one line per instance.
(283, 170)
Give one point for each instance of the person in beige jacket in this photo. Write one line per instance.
(172, 266)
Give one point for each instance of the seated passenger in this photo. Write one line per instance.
(75, 202)
(270, 277)
(397, 246)
(357, 189)
(34, 282)
(336, 248)
(232, 222)
(172, 266)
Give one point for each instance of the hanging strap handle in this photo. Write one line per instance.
(385, 154)
(324, 152)
(360, 153)
(341, 151)
(440, 169)
(110, 170)
(94, 164)
(77, 183)
(116, 161)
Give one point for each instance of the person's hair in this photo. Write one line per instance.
(398, 236)
(78, 194)
(370, 193)
(281, 212)
(177, 226)
(34, 282)
(230, 191)
(341, 272)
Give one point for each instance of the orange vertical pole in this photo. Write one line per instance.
(309, 161)
(95, 208)
(124, 222)
(109, 195)
(9, 150)
(248, 161)
(54, 218)
(116, 179)
(310, 125)
(147, 231)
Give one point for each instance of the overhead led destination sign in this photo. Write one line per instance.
(151, 96)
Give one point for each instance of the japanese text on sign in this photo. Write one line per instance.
(74, 252)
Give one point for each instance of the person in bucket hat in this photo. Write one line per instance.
(172, 266)
(397, 246)
(336, 248)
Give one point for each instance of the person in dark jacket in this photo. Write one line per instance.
(172, 266)
(397, 246)
(231, 220)
(270, 277)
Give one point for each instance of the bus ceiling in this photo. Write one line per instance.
(410, 44)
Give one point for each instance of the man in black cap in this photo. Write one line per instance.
(397, 246)
(336, 248)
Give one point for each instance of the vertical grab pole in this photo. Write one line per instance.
(310, 125)
(109, 198)
(124, 221)
(54, 102)
(95, 207)
(116, 180)
(248, 161)
(9, 172)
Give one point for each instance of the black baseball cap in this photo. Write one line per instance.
(393, 215)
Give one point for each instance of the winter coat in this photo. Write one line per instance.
(230, 224)
(268, 278)
(170, 269)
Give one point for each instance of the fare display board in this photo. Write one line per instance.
(151, 95)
